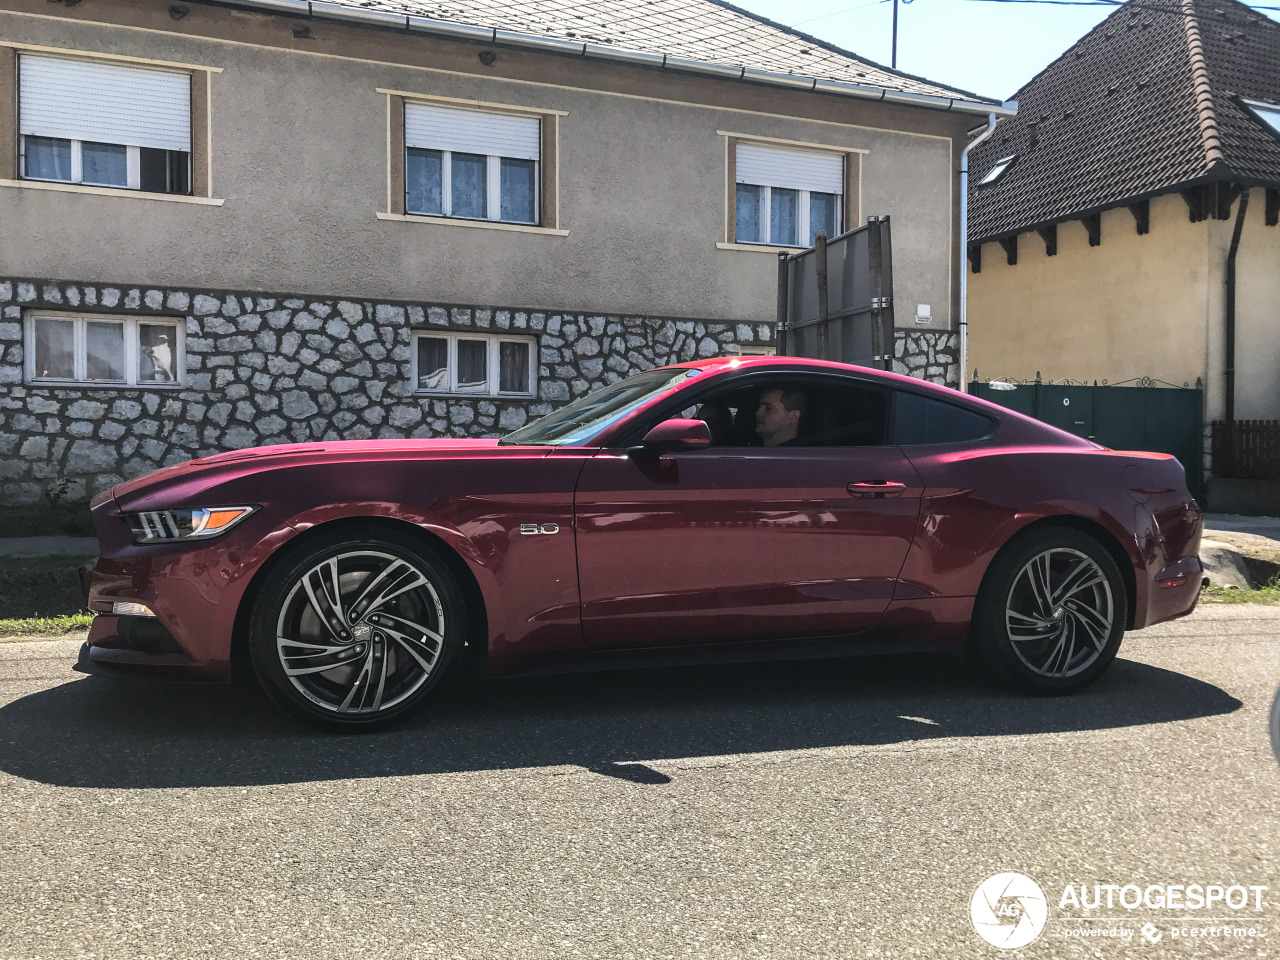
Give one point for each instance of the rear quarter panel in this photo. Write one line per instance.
(976, 498)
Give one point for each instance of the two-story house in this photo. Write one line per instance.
(1124, 224)
(263, 221)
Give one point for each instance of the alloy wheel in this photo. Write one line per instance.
(1060, 613)
(360, 632)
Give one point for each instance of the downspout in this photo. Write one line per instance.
(1229, 373)
(964, 244)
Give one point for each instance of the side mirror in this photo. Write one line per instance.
(677, 433)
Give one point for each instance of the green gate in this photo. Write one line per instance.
(1141, 416)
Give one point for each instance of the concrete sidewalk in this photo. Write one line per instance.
(24, 547)
(1268, 527)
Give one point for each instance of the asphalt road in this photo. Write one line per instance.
(836, 810)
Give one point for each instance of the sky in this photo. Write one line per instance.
(986, 47)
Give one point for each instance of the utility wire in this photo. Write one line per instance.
(1164, 8)
(838, 13)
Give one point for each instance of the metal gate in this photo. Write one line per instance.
(835, 300)
(1135, 415)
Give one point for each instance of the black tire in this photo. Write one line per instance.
(1051, 612)
(376, 655)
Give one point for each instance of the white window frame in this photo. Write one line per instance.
(132, 351)
(999, 170)
(493, 359)
(1268, 114)
(133, 152)
(133, 166)
(802, 216)
(492, 189)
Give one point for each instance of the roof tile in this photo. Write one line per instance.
(703, 30)
(1144, 103)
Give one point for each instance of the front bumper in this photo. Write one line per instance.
(102, 662)
(195, 590)
(142, 651)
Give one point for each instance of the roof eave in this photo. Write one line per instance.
(360, 16)
(1219, 174)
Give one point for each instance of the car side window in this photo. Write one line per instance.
(834, 414)
(923, 420)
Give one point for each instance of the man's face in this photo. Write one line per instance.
(775, 424)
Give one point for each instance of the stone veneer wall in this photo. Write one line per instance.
(929, 355)
(277, 369)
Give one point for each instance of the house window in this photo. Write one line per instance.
(104, 124)
(471, 164)
(786, 197)
(474, 364)
(1268, 113)
(998, 171)
(110, 351)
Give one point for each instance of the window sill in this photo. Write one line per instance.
(446, 395)
(108, 192)
(758, 248)
(101, 385)
(482, 224)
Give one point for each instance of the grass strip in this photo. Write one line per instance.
(1268, 595)
(40, 588)
(46, 520)
(37, 628)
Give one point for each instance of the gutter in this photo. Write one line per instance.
(1229, 348)
(360, 16)
(1012, 107)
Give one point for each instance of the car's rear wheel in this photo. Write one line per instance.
(357, 630)
(1051, 612)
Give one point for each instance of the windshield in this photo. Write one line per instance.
(589, 415)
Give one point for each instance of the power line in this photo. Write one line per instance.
(1164, 8)
(838, 13)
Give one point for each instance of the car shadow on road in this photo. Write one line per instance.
(95, 732)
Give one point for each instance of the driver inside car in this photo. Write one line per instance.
(778, 416)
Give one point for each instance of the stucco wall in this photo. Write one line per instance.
(1151, 305)
(1133, 306)
(299, 154)
(1258, 316)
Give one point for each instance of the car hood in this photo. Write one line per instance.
(207, 471)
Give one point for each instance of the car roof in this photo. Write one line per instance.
(809, 364)
(1030, 427)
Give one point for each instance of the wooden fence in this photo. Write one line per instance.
(1246, 449)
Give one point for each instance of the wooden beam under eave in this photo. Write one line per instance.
(1273, 206)
(975, 257)
(1141, 215)
(1010, 245)
(1049, 235)
(1225, 195)
(1195, 203)
(1093, 225)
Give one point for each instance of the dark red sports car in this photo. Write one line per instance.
(740, 508)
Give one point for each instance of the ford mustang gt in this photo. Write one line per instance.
(724, 508)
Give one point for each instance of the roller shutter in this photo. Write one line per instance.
(431, 127)
(769, 166)
(104, 103)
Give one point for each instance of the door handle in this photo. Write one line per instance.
(876, 488)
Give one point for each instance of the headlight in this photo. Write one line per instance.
(197, 523)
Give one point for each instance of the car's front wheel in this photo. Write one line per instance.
(1051, 612)
(357, 629)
